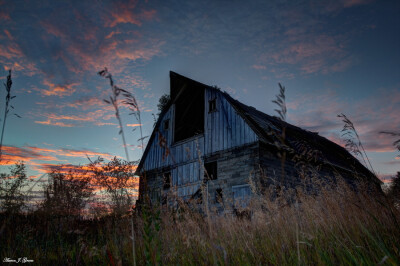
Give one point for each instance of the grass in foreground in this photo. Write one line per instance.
(334, 227)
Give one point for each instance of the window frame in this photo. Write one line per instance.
(210, 171)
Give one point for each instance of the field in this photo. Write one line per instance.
(334, 227)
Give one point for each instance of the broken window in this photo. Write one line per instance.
(167, 180)
(211, 170)
(189, 113)
(212, 105)
(218, 195)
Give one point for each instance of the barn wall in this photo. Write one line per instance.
(227, 138)
(163, 155)
(234, 166)
(225, 129)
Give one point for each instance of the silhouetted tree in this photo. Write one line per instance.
(117, 178)
(67, 194)
(163, 102)
(12, 197)
(395, 189)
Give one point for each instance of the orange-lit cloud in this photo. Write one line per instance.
(12, 154)
(88, 172)
(12, 56)
(133, 125)
(33, 155)
(52, 123)
(58, 90)
(128, 12)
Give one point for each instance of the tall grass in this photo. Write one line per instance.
(7, 106)
(337, 226)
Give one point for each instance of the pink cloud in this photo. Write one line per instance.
(12, 154)
(308, 52)
(133, 125)
(52, 123)
(317, 112)
(4, 16)
(259, 67)
(128, 12)
(350, 3)
(57, 89)
(12, 57)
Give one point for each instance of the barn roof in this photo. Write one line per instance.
(268, 127)
(299, 140)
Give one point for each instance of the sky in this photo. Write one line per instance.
(333, 57)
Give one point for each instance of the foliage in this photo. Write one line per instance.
(66, 194)
(394, 191)
(11, 189)
(281, 102)
(151, 234)
(130, 101)
(353, 142)
(336, 227)
(281, 143)
(116, 91)
(117, 177)
(163, 102)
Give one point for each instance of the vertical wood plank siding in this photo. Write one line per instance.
(223, 129)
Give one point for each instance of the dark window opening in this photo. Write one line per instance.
(189, 113)
(218, 195)
(211, 170)
(167, 180)
(212, 106)
(166, 124)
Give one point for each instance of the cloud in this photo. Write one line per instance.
(96, 117)
(133, 125)
(52, 123)
(312, 53)
(57, 89)
(259, 67)
(318, 112)
(87, 172)
(63, 49)
(4, 16)
(128, 13)
(13, 154)
(386, 178)
(351, 3)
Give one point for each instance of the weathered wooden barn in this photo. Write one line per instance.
(203, 135)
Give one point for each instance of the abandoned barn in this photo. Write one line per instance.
(204, 136)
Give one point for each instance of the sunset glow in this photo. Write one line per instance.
(332, 56)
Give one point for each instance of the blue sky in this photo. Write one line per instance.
(332, 56)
